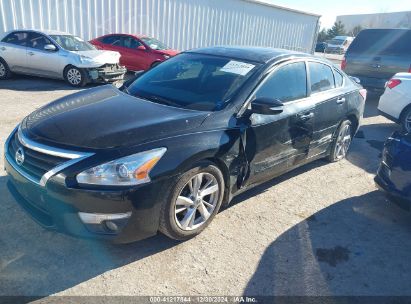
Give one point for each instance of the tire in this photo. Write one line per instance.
(75, 77)
(154, 64)
(406, 120)
(5, 72)
(184, 215)
(342, 142)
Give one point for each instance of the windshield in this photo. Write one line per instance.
(336, 42)
(193, 81)
(72, 43)
(382, 42)
(154, 43)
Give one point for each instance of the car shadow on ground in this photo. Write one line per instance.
(32, 83)
(37, 262)
(358, 246)
(367, 146)
(371, 105)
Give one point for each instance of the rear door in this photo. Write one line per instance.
(277, 142)
(13, 50)
(326, 86)
(377, 54)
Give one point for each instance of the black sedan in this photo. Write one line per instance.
(169, 149)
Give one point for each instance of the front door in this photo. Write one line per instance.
(41, 62)
(134, 54)
(275, 143)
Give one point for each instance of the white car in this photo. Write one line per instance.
(395, 103)
(58, 55)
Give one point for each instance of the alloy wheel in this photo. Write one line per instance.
(196, 201)
(74, 76)
(343, 142)
(2, 70)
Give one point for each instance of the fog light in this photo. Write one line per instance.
(111, 226)
(104, 223)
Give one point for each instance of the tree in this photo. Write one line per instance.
(337, 29)
(322, 35)
(356, 30)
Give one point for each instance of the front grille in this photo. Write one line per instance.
(35, 164)
(109, 68)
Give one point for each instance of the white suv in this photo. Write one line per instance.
(58, 55)
(395, 103)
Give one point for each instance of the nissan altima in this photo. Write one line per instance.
(174, 145)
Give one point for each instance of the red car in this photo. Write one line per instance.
(137, 52)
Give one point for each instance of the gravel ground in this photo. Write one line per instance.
(322, 229)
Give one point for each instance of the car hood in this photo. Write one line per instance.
(101, 57)
(104, 117)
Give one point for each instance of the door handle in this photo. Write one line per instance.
(341, 100)
(306, 116)
(31, 53)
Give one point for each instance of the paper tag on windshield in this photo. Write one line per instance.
(237, 67)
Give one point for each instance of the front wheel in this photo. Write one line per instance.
(342, 142)
(193, 202)
(406, 120)
(75, 76)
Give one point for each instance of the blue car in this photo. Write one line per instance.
(394, 173)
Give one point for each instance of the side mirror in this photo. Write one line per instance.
(129, 81)
(141, 47)
(50, 48)
(355, 79)
(267, 106)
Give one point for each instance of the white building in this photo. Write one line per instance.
(381, 20)
(182, 24)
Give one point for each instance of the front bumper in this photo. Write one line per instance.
(56, 206)
(107, 73)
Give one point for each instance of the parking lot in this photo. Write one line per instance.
(323, 229)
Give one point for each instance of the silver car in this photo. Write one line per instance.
(57, 55)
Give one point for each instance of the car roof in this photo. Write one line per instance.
(46, 32)
(247, 53)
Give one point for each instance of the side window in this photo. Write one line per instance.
(37, 41)
(321, 77)
(130, 43)
(286, 84)
(112, 40)
(339, 79)
(17, 38)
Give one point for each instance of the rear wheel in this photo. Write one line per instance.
(342, 142)
(75, 77)
(155, 64)
(193, 203)
(5, 72)
(406, 120)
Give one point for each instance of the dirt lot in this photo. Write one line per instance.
(323, 229)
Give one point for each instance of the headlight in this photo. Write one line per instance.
(85, 59)
(166, 56)
(129, 170)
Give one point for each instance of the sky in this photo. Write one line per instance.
(332, 8)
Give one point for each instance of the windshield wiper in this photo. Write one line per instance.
(162, 100)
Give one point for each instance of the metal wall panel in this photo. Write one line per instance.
(182, 24)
